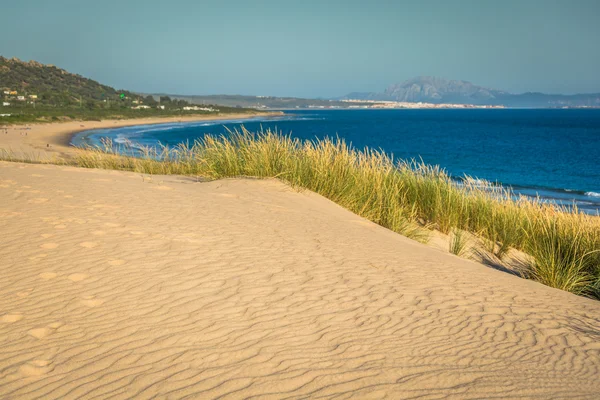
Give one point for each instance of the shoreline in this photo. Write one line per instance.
(47, 140)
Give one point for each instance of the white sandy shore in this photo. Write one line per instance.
(114, 285)
(43, 141)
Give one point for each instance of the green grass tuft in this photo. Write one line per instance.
(458, 243)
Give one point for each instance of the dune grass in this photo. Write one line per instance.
(407, 197)
(458, 243)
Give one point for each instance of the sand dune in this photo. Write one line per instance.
(114, 285)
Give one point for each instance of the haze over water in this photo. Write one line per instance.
(551, 153)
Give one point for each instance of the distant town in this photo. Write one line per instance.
(13, 95)
(12, 98)
(403, 104)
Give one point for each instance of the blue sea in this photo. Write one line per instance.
(550, 153)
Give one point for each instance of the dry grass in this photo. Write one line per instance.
(407, 197)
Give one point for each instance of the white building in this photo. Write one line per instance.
(21, 98)
(142, 107)
(5, 103)
(7, 92)
(196, 108)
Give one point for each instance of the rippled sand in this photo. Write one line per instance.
(114, 285)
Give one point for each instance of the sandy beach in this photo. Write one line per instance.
(48, 140)
(118, 285)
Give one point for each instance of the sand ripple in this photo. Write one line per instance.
(247, 289)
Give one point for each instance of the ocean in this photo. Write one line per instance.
(550, 153)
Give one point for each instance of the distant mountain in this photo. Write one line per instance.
(438, 90)
(429, 89)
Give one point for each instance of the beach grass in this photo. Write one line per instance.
(458, 243)
(407, 197)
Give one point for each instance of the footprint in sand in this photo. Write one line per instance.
(47, 235)
(37, 201)
(136, 232)
(40, 333)
(91, 302)
(115, 263)
(88, 245)
(77, 277)
(24, 293)
(111, 225)
(162, 188)
(47, 275)
(68, 196)
(36, 368)
(9, 318)
(36, 175)
(60, 226)
(49, 245)
(98, 233)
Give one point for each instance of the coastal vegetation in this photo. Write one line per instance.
(458, 242)
(22, 115)
(34, 92)
(562, 245)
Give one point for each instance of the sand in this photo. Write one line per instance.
(50, 140)
(117, 285)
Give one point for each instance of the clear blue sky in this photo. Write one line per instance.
(310, 48)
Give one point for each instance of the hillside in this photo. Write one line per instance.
(31, 92)
(435, 90)
(50, 84)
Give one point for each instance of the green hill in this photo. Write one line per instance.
(51, 84)
(31, 91)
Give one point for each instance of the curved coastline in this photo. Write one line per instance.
(143, 135)
(50, 140)
(80, 138)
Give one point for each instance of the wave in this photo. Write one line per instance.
(121, 139)
(592, 194)
(126, 134)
